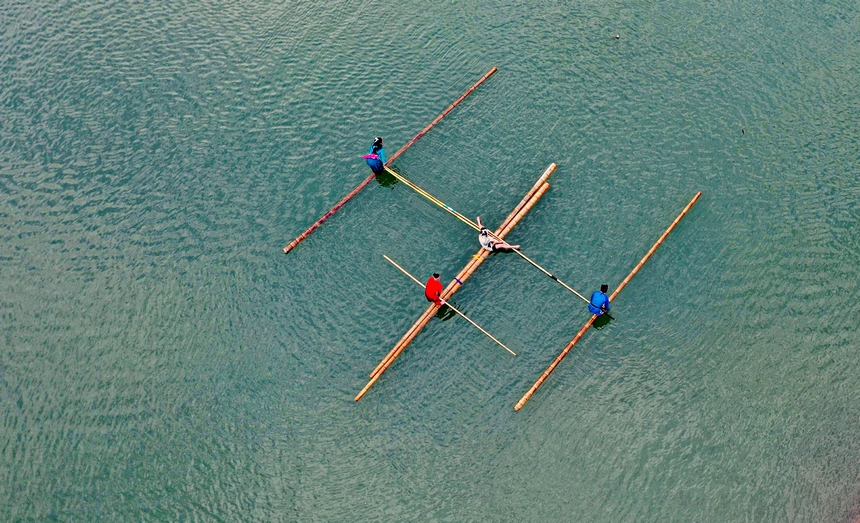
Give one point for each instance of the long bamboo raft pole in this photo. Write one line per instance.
(524, 206)
(290, 246)
(588, 324)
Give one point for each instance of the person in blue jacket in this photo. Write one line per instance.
(599, 302)
(375, 157)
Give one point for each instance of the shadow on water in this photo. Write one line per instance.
(445, 313)
(386, 180)
(601, 321)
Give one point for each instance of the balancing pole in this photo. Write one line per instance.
(588, 324)
(475, 226)
(404, 271)
(290, 246)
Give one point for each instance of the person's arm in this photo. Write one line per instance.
(381, 154)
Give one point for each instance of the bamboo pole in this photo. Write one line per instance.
(588, 324)
(452, 287)
(413, 278)
(290, 246)
(654, 247)
(475, 226)
(524, 206)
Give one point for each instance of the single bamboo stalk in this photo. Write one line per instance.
(444, 113)
(451, 288)
(588, 324)
(290, 246)
(463, 315)
(654, 247)
(532, 196)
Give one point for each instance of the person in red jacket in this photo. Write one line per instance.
(433, 290)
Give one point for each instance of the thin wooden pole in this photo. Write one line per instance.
(654, 247)
(524, 206)
(290, 246)
(588, 324)
(475, 226)
(404, 271)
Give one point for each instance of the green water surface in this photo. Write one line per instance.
(162, 360)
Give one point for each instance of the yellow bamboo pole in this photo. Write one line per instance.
(404, 271)
(524, 206)
(475, 226)
(588, 324)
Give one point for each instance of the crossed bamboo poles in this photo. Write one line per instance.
(404, 271)
(375, 375)
(529, 200)
(519, 405)
(292, 245)
(475, 226)
(543, 377)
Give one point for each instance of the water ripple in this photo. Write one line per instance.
(161, 360)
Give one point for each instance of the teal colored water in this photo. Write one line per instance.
(162, 360)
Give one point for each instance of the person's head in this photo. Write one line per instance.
(377, 142)
(484, 231)
(436, 275)
(604, 288)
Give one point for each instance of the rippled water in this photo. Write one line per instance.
(162, 360)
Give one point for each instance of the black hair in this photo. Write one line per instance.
(436, 275)
(604, 288)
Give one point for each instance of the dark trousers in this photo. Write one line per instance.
(375, 165)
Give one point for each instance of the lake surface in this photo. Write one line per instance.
(162, 360)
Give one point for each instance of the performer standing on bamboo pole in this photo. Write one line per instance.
(599, 303)
(433, 289)
(375, 157)
(491, 244)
